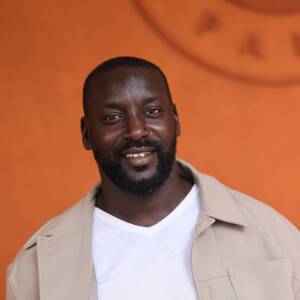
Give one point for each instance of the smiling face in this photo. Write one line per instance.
(131, 125)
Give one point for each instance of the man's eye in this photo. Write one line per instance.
(112, 118)
(152, 111)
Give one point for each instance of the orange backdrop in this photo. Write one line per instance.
(233, 69)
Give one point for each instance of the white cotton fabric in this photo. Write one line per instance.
(146, 263)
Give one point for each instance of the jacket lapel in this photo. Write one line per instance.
(216, 202)
(216, 205)
(65, 262)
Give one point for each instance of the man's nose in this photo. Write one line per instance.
(136, 128)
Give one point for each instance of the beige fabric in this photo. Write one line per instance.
(242, 250)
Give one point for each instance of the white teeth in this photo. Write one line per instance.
(142, 154)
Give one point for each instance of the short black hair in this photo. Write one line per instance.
(117, 62)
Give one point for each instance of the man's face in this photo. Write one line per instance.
(131, 126)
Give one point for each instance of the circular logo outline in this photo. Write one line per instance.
(200, 62)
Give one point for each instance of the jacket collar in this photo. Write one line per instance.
(216, 200)
(67, 221)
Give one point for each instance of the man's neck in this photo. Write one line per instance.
(145, 210)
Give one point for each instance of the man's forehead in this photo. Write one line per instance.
(108, 83)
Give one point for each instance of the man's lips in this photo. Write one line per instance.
(135, 152)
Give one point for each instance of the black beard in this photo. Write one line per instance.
(115, 172)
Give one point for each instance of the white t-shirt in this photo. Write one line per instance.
(146, 263)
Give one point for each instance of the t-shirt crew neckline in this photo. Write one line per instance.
(179, 209)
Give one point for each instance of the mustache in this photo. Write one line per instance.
(138, 144)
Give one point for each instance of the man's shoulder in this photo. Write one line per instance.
(217, 196)
(26, 260)
(62, 222)
(257, 213)
(228, 205)
(260, 220)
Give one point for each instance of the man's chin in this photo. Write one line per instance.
(142, 187)
(141, 182)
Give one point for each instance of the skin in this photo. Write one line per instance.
(130, 104)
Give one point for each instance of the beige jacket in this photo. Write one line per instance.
(242, 250)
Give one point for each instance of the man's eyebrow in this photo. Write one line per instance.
(145, 101)
(151, 99)
(111, 105)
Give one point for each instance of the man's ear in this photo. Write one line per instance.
(86, 139)
(177, 123)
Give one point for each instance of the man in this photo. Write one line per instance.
(154, 228)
